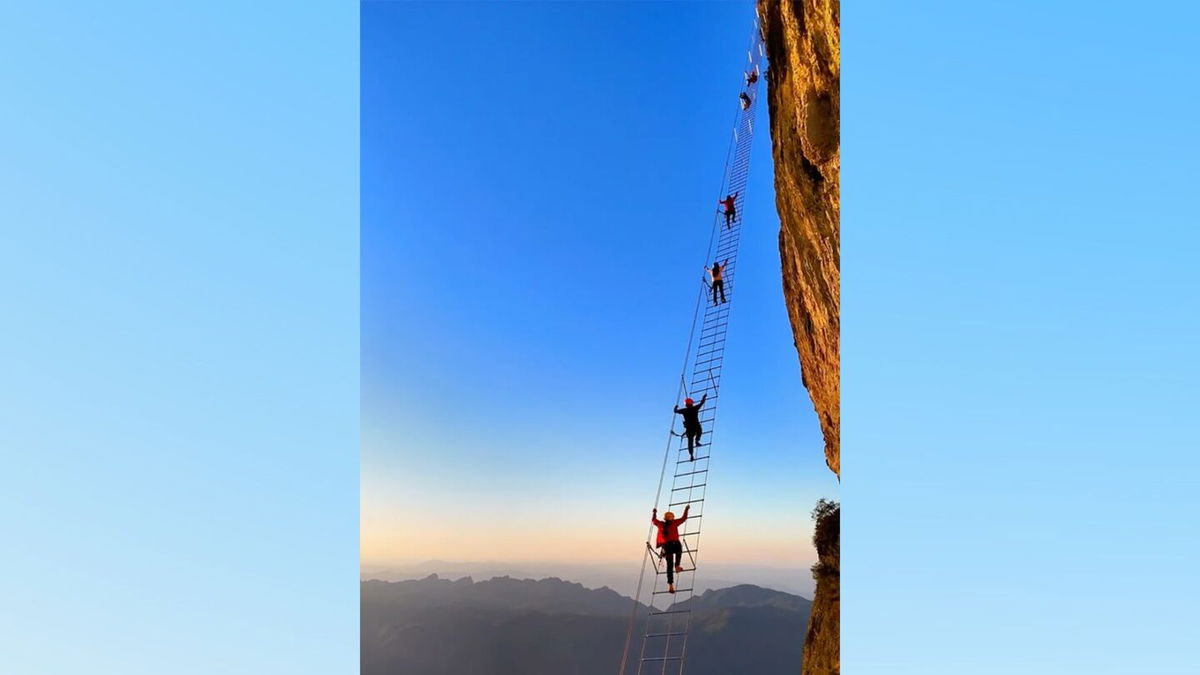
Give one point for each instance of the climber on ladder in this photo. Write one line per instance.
(668, 541)
(718, 284)
(745, 100)
(730, 208)
(691, 423)
(752, 76)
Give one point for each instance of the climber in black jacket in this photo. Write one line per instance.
(691, 423)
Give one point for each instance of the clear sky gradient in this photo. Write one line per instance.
(1020, 336)
(538, 184)
(178, 464)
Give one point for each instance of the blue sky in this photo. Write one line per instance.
(538, 185)
(1019, 319)
(179, 419)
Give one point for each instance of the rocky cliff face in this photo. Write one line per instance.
(803, 40)
(803, 50)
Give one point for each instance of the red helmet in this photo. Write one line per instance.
(687, 401)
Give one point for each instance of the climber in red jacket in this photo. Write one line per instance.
(730, 208)
(752, 77)
(668, 541)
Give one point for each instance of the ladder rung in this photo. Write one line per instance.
(661, 658)
(692, 460)
(690, 473)
(686, 569)
(681, 632)
(671, 611)
(690, 501)
(688, 487)
(677, 590)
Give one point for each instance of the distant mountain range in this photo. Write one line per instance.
(619, 577)
(506, 626)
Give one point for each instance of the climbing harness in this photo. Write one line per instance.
(666, 618)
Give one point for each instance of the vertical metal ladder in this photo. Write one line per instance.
(666, 619)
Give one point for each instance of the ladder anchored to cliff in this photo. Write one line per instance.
(666, 618)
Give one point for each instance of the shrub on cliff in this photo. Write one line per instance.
(827, 536)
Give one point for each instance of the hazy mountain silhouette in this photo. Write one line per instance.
(617, 576)
(746, 595)
(507, 626)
